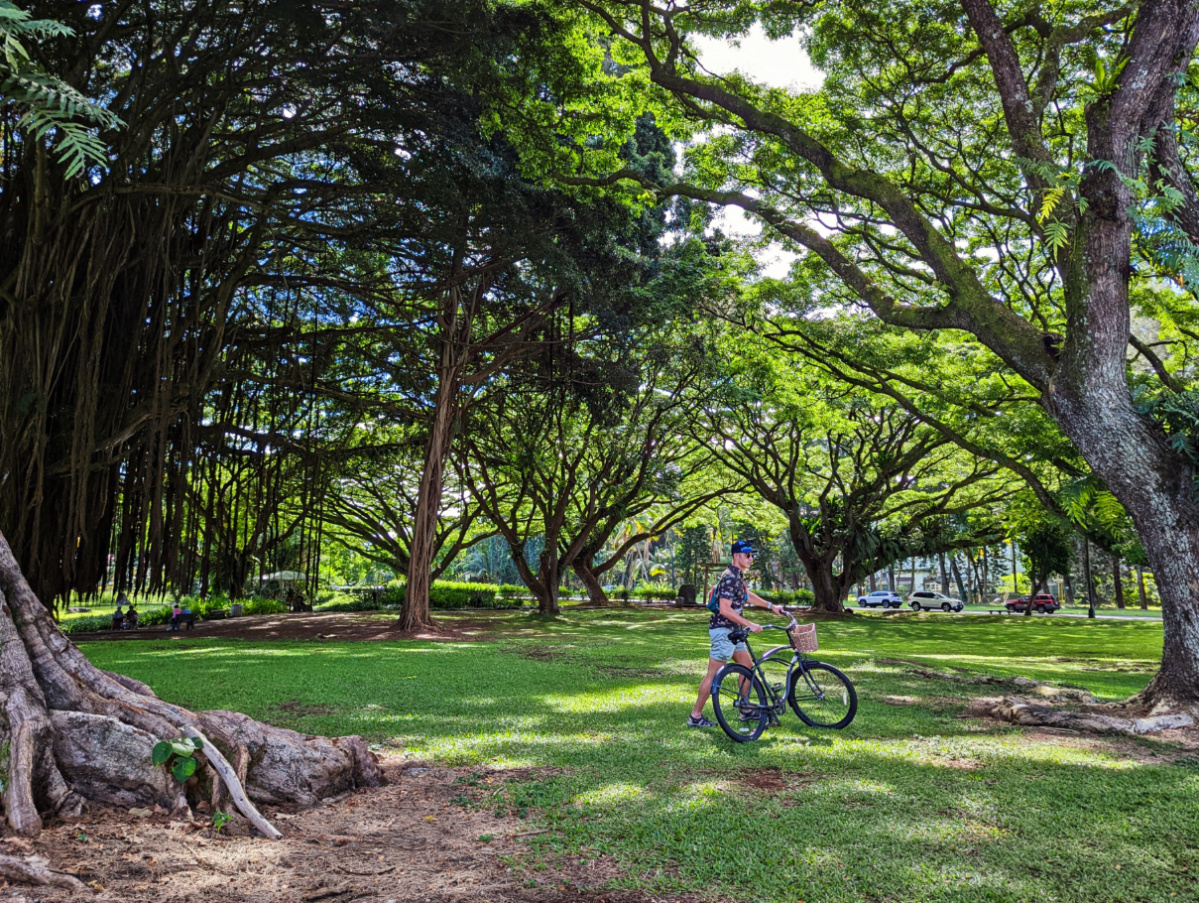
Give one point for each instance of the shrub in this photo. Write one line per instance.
(350, 602)
(446, 595)
(509, 591)
(655, 591)
(788, 597)
(393, 596)
(146, 617)
(262, 605)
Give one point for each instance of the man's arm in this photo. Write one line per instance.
(726, 611)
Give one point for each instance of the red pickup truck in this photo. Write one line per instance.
(1043, 604)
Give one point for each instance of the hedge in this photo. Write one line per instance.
(444, 595)
(658, 591)
(787, 596)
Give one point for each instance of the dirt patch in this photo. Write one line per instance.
(541, 654)
(313, 626)
(775, 780)
(404, 841)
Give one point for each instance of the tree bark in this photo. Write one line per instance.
(415, 612)
(1118, 582)
(829, 588)
(544, 583)
(957, 578)
(78, 735)
(587, 576)
(1141, 588)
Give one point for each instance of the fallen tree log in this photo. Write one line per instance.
(78, 735)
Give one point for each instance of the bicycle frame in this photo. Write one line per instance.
(778, 702)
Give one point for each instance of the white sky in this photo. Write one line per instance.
(779, 64)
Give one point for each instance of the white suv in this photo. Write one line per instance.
(881, 598)
(929, 600)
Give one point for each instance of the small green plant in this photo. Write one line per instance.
(486, 838)
(178, 755)
(220, 819)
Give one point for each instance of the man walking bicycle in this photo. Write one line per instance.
(732, 594)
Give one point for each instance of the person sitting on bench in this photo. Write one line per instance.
(188, 617)
(131, 617)
(118, 620)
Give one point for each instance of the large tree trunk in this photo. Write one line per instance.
(1141, 588)
(1091, 402)
(1089, 396)
(1156, 489)
(829, 589)
(543, 584)
(77, 735)
(1118, 581)
(587, 576)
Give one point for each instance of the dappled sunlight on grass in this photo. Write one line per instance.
(608, 795)
(910, 804)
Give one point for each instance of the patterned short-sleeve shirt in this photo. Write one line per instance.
(730, 586)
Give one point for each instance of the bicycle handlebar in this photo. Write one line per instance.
(742, 632)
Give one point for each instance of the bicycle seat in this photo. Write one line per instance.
(738, 636)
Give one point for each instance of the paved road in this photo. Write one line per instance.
(1099, 616)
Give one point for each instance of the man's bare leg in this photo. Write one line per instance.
(705, 687)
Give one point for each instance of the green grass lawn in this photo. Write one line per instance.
(909, 803)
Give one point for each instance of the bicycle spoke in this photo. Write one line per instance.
(740, 703)
(824, 697)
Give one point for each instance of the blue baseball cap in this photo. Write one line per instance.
(743, 547)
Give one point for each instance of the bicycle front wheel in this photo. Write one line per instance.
(740, 703)
(822, 696)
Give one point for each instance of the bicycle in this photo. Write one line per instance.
(748, 700)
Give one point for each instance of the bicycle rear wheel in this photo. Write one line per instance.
(822, 696)
(740, 703)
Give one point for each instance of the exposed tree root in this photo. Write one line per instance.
(1132, 717)
(77, 734)
(1033, 714)
(34, 870)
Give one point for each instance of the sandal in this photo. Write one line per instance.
(701, 721)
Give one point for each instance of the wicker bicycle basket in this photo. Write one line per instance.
(803, 637)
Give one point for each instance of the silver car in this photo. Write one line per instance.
(929, 601)
(881, 598)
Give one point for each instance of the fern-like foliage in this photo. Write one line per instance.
(51, 107)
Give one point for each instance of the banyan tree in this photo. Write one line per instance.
(149, 313)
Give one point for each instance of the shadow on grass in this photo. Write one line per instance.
(910, 803)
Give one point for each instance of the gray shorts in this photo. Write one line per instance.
(722, 647)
